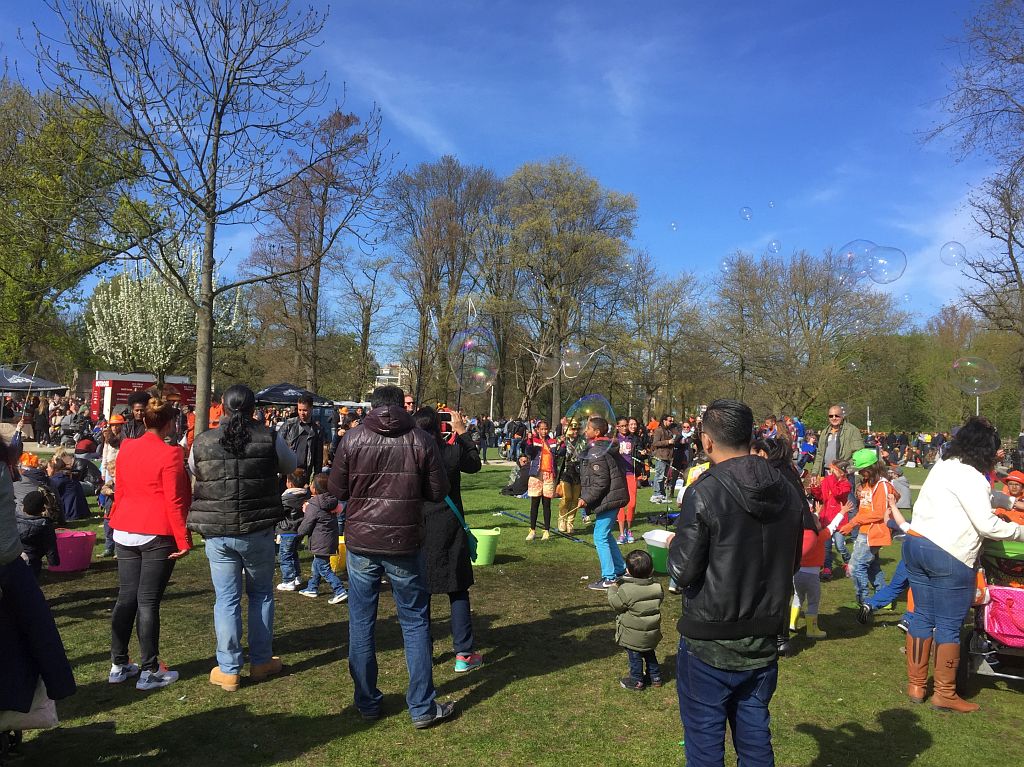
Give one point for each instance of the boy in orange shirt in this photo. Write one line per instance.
(872, 513)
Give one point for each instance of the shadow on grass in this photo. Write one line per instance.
(225, 736)
(535, 649)
(900, 741)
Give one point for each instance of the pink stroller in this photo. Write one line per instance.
(995, 646)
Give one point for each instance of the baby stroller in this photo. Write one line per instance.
(995, 645)
(73, 427)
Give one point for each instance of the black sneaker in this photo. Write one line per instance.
(629, 683)
(441, 713)
(864, 614)
(903, 625)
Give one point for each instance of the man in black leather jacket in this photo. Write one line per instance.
(736, 547)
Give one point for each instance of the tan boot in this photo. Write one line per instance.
(260, 671)
(947, 661)
(561, 525)
(919, 653)
(228, 682)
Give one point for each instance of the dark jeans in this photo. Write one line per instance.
(636, 666)
(108, 537)
(462, 624)
(483, 450)
(709, 697)
(943, 588)
(143, 573)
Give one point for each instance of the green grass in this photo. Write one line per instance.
(548, 694)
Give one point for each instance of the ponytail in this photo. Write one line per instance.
(239, 403)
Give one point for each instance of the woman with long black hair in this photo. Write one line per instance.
(952, 518)
(236, 504)
(445, 546)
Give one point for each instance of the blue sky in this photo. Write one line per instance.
(696, 108)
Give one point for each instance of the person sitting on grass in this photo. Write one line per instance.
(519, 479)
(293, 499)
(637, 600)
(320, 522)
(602, 493)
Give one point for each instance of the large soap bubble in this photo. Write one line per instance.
(854, 259)
(746, 213)
(952, 253)
(976, 376)
(774, 246)
(573, 362)
(886, 264)
(473, 355)
(593, 405)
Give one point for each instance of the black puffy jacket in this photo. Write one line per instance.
(385, 469)
(602, 481)
(736, 547)
(235, 495)
(320, 523)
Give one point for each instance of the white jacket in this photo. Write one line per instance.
(954, 511)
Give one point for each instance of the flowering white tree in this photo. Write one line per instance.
(136, 321)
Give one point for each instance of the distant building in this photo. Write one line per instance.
(392, 374)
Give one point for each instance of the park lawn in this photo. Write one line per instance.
(547, 695)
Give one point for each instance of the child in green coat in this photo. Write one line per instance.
(637, 600)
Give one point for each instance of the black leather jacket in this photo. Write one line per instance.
(736, 548)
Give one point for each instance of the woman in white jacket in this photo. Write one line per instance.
(952, 517)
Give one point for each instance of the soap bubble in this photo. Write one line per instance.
(473, 356)
(853, 366)
(593, 405)
(547, 367)
(746, 213)
(976, 376)
(771, 203)
(726, 265)
(673, 226)
(952, 253)
(854, 259)
(886, 264)
(573, 363)
(906, 299)
(774, 246)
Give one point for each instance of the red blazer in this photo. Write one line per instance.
(152, 494)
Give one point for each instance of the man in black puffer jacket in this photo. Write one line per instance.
(736, 547)
(385, 469)
(603, 492)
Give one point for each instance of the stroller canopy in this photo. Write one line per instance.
(13, 381)
(288, 394)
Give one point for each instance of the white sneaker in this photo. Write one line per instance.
(286, 586)
(308, 593)
(120, 674)
(337, 599)
(297, 581)
(153, 680)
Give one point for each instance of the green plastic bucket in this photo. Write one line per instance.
(486, 545)
(657, 547)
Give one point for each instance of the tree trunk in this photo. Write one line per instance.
(204, 331)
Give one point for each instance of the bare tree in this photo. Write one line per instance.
(370, 293)
(211, 94)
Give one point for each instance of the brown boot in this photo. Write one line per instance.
(947, 660)
(228, 682)
(919, 652)
(260, 671)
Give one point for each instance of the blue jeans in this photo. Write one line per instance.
(612, 563)
(108, 537)
(895, 588)
(867, 570)
(288, 556)
(413, 605)
(839, 541)
(660, 470)
(232, 558)
(709, 697)
(514, 449)
(943, 589)
(636, 666)
(322, 569)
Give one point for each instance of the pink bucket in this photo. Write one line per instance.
(75, 549)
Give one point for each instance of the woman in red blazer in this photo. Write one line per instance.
(151, 501)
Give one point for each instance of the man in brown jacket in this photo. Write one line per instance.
(385, 469)
(662, 441)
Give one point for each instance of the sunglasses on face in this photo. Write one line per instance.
(834, 415)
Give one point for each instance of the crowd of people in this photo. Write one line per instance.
(761, 511)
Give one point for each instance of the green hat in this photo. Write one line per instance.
(864, 458)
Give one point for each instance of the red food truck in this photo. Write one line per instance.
(110, 391)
